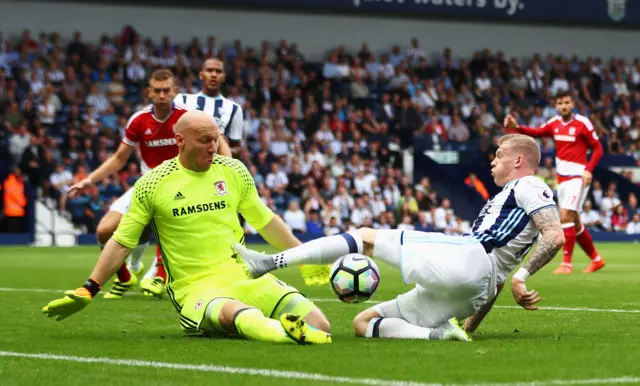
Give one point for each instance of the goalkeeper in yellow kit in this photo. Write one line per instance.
(191, 204)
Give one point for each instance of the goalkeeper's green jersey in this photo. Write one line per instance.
(194, 217)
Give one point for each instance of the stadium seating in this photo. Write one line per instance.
(352, 107)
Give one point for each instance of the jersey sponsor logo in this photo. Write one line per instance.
(565, 138)
(199, 208)
(161, 142)
(148, 132)
(487, 209)
(221, 188)
(179, 196)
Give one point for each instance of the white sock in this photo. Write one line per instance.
(400, 329)
(325, 250)
(136, 256)
(151, 273)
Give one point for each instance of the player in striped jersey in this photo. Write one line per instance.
(455, 276)
(227, 114)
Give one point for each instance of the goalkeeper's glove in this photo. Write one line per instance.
(315, 274)
(74, 301)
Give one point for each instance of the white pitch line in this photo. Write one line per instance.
(324, 300)
(217, 369)
(297, 374)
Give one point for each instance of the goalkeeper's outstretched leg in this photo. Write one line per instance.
(234, 317)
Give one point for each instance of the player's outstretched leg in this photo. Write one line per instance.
(325, 250)
(236, 317)
(586, 243)
(370, 324)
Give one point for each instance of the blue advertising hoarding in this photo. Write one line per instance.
(621, 12)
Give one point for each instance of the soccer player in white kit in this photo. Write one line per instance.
(456, 277)
(227, 114)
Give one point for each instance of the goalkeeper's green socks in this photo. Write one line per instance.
(251, 324)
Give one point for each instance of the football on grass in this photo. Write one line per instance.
(354, 278)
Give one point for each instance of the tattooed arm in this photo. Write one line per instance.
(548, 221)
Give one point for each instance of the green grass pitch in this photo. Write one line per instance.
(599, 344)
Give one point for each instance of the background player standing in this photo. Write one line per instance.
(227, 114)
(574, 135)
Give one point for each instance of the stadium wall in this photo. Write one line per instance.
(314, 33)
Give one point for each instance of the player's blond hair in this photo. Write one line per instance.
(161, 75)
(523, 144)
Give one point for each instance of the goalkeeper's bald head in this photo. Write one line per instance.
(197, 137)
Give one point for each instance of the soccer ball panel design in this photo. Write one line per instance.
(354, 278)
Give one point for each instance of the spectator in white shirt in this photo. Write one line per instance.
(330, 68)
(377, 204)
(589, 217)
(49, 107)
(295, 218)
(316, 155)
(605, 221)
(332, 228)
(610, 201)
(18, 143)
(360, 213)
(633, 228)
(325, 135)
(406, 224)
(415, 53)
(135, 71)
(440, 220)
(61, 181)
(35, 83)
(620, 86)
(329, 212)
(387, 69)
(98, 100)
(483, 82)
(343, 202)
(452, 225)
(560, 83)
(363, 181)
(277, 178)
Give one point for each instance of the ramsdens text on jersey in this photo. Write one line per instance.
(191, 209)
(161, 142)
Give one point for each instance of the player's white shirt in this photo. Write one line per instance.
(504, 226)
(228, 114)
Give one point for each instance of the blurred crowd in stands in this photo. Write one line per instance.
(324, 140)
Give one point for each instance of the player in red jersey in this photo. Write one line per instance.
(574, 135)
(152, 130)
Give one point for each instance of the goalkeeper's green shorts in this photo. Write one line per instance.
(268, 294)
